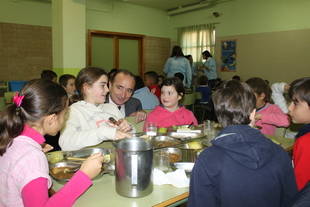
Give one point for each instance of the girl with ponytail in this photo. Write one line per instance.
(39, 109)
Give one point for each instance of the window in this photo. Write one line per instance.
(195, 39)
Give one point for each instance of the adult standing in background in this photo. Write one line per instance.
(177, 63)
(209, 67)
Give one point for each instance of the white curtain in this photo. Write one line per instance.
(197, 38)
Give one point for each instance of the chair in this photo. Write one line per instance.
(2, 103)
(205, 111)
(8, 96)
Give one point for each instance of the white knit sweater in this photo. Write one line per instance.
(86, 125)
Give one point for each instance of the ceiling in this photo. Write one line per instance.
(169, 5)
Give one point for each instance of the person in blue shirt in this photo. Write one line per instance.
(209, 66)
(177, 63)
(147, 98)
(242, 167)
(204, 89)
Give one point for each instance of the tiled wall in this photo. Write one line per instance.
(25, 50)
(156, 52)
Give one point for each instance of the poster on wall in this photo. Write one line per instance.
(228, 55)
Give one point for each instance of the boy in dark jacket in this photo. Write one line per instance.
(242, 168)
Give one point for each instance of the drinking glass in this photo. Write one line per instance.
(151, 129)
(161, 161)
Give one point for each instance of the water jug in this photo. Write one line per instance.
(133, 167)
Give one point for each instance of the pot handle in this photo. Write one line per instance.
(134, 169)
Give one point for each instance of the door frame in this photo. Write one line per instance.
(115, 36)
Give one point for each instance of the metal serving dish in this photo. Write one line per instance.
(63, 171)
(164, 141)
(185, 135)
(84, 153)
(189, 154)
(57, 156)
(174, 154)
(187, 166)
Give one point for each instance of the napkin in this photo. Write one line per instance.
(176, 178)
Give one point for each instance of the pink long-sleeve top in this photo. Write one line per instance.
(164, 118)
(24, 179)
(272, 117)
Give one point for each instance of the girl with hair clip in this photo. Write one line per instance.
(171, 113)
(89, 119)
(39, 109)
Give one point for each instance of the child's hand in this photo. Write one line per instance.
(121, 135)
(258, 117)
(47, 148)
(92, 166)
(123, 126)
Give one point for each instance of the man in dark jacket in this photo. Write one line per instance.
(122, 85)
(242, 168)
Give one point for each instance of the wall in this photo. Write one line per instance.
(272, 36)
(115, 16)
(26, 12)
(25, 51)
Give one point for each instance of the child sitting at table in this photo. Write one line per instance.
(204, 90)
(242, 167)
(171, 113)
(67, 81)
(37, 110)
(151, 81)
(299, 110)
(88, 122)
(268, 116)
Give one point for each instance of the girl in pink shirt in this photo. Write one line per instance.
(170, 113)
(268, 116)
(39, 109)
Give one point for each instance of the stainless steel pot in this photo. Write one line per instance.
(133, 167)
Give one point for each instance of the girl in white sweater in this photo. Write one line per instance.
(88, 121)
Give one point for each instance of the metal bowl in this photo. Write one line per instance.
(164, 141)
(189, 154)
(174, 154)
(58, 172)
(84, 153)
(187, 166)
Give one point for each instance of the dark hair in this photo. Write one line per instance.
(300, 90)
(236, 77)
(112, 72)
(260, 86)
(88, 75)
(41, 98)
(233, 103)
(63, 80)
(153, 75)
(206, 53)
(176, 83)
(180, 76)
(123, 71)
(177, 51)
(203, 80)
(139, 82)
(48, 75)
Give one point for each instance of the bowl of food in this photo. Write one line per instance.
(186, 166)
(63, 171)
(190, 151)
(164, 141)
(174, 154)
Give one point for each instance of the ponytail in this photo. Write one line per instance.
(37, 99)
(11, 125)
